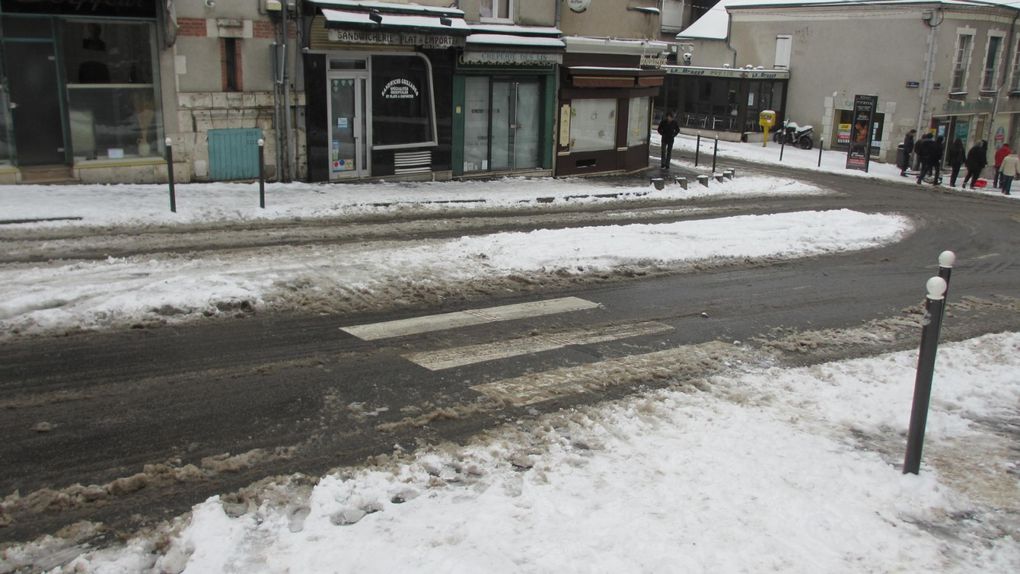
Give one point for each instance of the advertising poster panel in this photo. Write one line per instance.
(859, 155)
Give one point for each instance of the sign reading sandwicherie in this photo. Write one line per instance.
(437, 41)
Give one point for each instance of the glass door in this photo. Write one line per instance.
(348, 145)
(35, 108)
(503, 126)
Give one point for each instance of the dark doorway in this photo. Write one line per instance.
(36, 116)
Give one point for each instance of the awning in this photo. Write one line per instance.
(395, 22)
(608, 77)
(388, 7)
(511, 41)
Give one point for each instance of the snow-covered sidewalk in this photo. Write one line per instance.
(754, 470)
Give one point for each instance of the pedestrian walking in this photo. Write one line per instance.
(1008, 170)
(977, 159)
(940, 148)
(954, 157)
(1000, 154)
(927, 155)
(908, 148)
(668, 129)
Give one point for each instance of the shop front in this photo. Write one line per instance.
(504, 99)
(726, 100)
(605, 101)
(378, 91)
(79, 85)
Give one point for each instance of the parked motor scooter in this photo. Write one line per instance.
(793, 134)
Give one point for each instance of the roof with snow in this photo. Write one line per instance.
(714, 24)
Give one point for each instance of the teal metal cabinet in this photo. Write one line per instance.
(234, 154)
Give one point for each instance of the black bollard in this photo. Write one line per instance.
(715, 150)
(262, 173)
(697, 150)
(931, 324)
(819, 153)
(170, 173)
(782, 146)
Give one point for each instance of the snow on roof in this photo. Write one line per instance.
(714, 24)
(513, 40)
(516, 30)
(343, 17)
(388, 7)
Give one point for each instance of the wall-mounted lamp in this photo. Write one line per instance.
(445, 21)
(210, 3)
(375, 17)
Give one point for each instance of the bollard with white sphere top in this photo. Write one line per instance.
(931, 324)
(170, 172)
(262, 173)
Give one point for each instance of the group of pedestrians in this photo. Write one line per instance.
(929, 151)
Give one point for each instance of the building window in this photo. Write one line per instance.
(496, 9)
(592, 125)
(1014, 81)
(110, 89)
(990, 72)
(403, 114)
(231, 65)
(961, 61)
(638, 122)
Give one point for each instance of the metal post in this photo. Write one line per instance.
(697, 150)
(170, 172)
(782, 145)
(820, 153)
(931, 324)
(262, 173)
(715, 150)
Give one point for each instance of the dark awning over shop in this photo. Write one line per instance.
(607, 77)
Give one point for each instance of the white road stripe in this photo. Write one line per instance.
(471, 354)
(429, 323)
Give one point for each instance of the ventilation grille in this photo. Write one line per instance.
(412, 162)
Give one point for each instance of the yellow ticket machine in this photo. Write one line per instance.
(767, 120)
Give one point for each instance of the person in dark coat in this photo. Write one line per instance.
(668, 129)
(955, 157)
(940, 149)
(927, 154)
(908, 148)
(977, 159)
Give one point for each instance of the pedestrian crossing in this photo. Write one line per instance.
(526, 389)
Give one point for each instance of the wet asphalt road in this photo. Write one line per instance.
(306, 397)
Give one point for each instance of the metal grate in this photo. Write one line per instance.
(412, 162)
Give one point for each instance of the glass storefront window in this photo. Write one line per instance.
(476, 124)
(111, 95)
(592, 125)
(402, 111)
(637, 122)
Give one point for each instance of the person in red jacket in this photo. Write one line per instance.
(1000, 154)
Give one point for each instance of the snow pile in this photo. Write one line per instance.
(760, 470)
(103, 205)
(142, 289)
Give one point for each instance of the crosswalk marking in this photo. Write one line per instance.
(471, 354)
(429, 323)
(679, 363)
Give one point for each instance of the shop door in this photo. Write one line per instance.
(35, 108)
(348, 145)
(516, 124)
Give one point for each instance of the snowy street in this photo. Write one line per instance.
(510, 376)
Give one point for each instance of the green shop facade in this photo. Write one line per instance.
(504, 105)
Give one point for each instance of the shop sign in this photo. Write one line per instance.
(395, 39)
(399, 89)
(843, 134)
(657, 60)
(728, 73)
(510, 59)
(578, 5)
(859, 154)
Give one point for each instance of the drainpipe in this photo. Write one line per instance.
(1010, 46)
(928, 17)
(286, 94)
